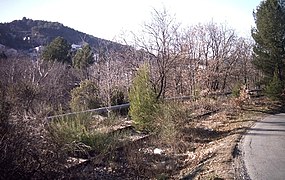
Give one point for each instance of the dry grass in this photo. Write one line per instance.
(217, 149)
(197, 141)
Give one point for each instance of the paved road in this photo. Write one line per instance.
(264, 149)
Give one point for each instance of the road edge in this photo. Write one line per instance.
(241, 172)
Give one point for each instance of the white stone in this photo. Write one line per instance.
(157, 151)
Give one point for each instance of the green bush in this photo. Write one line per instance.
(166, 125)
(86, 96)
(117, 97)
(170, 121)
(236, 90)
(143, 104)
(76, 133)
(69, 130)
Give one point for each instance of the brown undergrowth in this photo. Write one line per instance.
(196, 140)
(193, 140)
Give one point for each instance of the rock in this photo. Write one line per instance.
(157, 151)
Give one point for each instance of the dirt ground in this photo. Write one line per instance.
(221, 158)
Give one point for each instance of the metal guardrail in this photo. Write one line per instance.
(98, 110)
(179, 98)
(110, 108)
(127, 105)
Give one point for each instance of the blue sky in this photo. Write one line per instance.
(109, 18)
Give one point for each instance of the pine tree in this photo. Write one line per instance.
(83, 58)
(269, 36)
(142, 100)
(57, 50)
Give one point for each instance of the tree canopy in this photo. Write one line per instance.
(83, 58)
(57, 50)
(269, 36)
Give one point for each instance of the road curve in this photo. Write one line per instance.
(264, 149)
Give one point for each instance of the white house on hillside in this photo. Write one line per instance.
(75, 47)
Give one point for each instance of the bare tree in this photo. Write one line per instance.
(112, 72)
(159, 40)
(38, 86)
(211, 55)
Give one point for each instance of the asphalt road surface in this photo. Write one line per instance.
(264, 149)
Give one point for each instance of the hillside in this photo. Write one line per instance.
(27, 33)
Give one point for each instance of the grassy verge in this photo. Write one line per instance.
(82, 134)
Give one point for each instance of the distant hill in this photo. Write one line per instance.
(27, 33)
